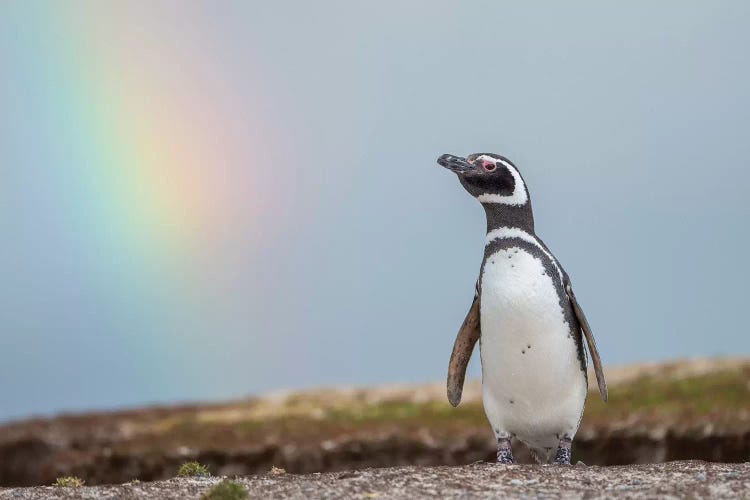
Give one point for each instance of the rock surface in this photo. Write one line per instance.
(691, 479)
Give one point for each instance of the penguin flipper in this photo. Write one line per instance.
(593, 351)
(463, 347)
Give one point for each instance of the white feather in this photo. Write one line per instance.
(520, 308)
(514, 232)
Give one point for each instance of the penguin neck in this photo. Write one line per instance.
(500, 215)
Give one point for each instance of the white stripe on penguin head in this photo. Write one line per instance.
(519, 195)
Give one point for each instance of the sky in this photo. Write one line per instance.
(209, 200)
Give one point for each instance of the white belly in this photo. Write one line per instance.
(532, 383)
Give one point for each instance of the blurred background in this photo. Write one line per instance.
(201, 201)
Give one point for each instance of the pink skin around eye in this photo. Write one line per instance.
(488, 165)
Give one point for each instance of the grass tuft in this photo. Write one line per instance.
(724, 392)
(193, 469)
(226, 490)
(69, 482)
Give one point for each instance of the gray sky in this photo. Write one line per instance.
(629, 122)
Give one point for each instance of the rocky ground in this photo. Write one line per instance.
(685, 410)
(691, 479)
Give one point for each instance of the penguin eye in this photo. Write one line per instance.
(489, 167)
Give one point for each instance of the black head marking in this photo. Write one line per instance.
(490, 177)
(497, 183)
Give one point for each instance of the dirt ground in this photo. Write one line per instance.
(660, 412)
(691, 479)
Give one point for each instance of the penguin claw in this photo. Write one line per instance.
(504, 452)
(562, 457)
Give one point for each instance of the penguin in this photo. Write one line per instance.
(528, 322)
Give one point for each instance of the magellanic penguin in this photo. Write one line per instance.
(527, 320)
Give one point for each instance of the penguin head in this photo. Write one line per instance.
(489, 177)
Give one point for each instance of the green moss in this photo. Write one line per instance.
(69, 482)
(226, 490)
(193, 469)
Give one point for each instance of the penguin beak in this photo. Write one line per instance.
(455, 163)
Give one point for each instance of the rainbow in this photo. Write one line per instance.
(143, 162)
(133, 149)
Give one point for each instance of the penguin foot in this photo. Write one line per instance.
(504, 451)
(562, 457)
